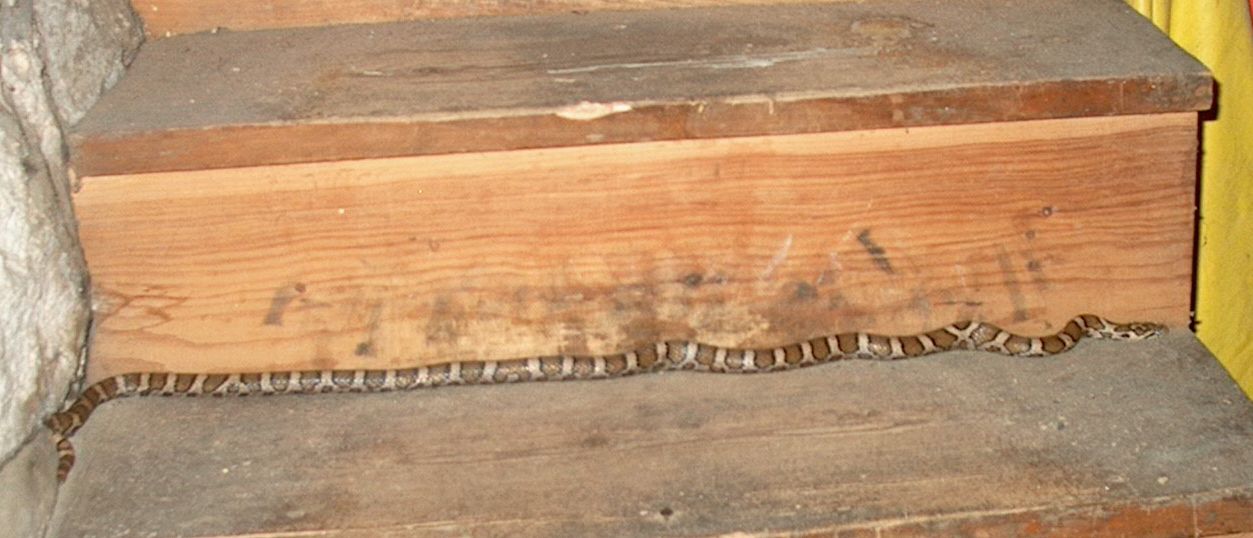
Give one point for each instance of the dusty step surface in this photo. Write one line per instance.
(163, 18)
(358, 91)
(1149, 439)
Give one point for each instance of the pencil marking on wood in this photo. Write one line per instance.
(877, 253)
(283, 297)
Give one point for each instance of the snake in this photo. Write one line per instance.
(681, 355)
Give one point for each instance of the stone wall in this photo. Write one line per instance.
(56, 57)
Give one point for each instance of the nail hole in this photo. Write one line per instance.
(666, 512)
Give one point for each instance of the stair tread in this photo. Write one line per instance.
(1142, 439)
(408, 88)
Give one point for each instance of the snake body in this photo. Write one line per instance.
(671, 355)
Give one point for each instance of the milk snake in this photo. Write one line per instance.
(672, 355)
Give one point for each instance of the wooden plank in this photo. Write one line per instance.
(236, 99)
(1112, 440)
(165, 18)
(747, 241)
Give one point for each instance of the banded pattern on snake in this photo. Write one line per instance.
(672, 355)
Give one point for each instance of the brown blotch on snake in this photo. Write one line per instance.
(673, 355)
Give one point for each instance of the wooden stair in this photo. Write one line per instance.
(236, 99)
(305, 192)
(590, 183)
(1146, 440)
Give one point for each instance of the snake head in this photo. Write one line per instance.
(1140, 330)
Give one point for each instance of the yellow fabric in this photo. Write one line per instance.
(1218, 33)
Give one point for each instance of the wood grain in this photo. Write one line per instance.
(1146, 440)
(235, 99)
(747, 241)
(164, 18)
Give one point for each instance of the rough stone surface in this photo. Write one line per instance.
(89, 44)
(27, 497)
(43, 277)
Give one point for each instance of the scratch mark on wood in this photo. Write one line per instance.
(1016, 298)
(877, 253)
(831, 271)
(587, 110)
(736, 61)
(778, 259)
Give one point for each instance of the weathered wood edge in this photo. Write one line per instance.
(1217, 513)
(230, 146)
(1224, 514)
(166, 18)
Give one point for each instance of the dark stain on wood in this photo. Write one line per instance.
(446, 320)
(804, 292)
(283, 297)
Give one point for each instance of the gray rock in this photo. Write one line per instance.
(28, 489)
(56, 57)
(43, 283)
(87, 44)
